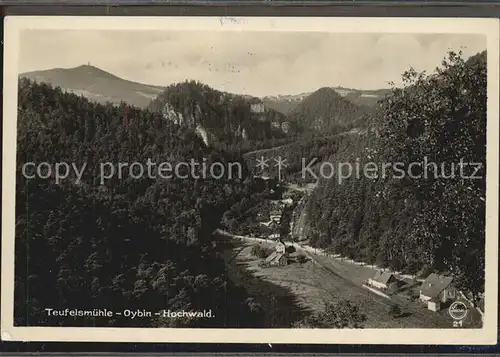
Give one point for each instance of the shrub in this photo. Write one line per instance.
(260, 251)
(343, 314)
(301, 258)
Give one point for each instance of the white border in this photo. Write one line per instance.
(486, 335)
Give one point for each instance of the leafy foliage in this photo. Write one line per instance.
(129, 243)
(306, 149)
(224, 115)
(406, 223)
(301, 259)
(342, 314)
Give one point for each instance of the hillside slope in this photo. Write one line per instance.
(326, 110)
(411, 222)
(96, 84)
(363, 98)
(225, 117)
(131, 242)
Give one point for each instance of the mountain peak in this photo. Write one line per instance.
(93, 70)
(96, 84)
(325, 109)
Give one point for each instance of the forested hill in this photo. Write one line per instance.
(422, 223)
(96, 84)
(325, 111)
(360, 97)
(134, 242)
(226, 117)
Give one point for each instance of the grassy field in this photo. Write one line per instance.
(281, 306)
(327, 279)
(415, 313)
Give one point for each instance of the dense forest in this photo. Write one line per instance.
(307, 150)
(430, 222)
(227, 117)
(146, 242)
(129, 242)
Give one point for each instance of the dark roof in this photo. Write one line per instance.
(383, 277)
(434, 284)
(269, 224)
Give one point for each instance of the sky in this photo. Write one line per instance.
(258, 63)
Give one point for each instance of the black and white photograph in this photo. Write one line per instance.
(305, 180)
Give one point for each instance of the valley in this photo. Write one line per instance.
(324, 279)
(210, 243)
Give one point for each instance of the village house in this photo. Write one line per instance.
(437, 289)
(278, 257)
(382, 280)
(275, 214)
(434, 305)
(275, 217)
(272, 224)
(280, 247)
(287, 202)
(270, 229)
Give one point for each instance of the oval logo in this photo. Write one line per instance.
(458, 310)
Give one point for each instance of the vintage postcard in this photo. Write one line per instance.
(258, 180)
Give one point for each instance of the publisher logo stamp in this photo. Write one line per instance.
(458, 310)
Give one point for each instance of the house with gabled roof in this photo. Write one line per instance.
(434, 305)
(280, 246)
(271, 224)
(382, 280)
(278, 257)
(438, 288)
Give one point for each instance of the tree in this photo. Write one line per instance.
(129, 242)
(343, 314)
(442, 118)
(424, 219)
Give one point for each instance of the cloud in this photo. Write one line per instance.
(258, 63)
